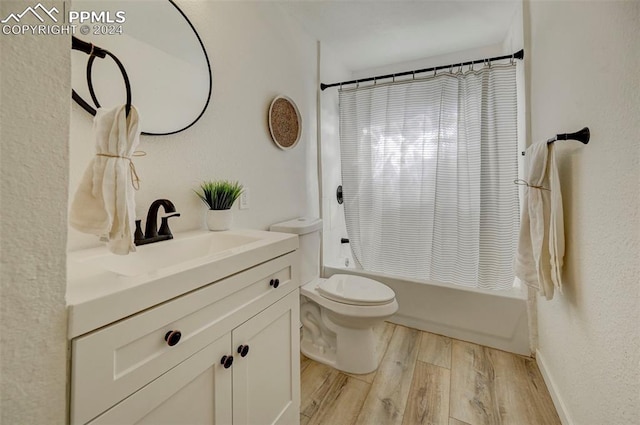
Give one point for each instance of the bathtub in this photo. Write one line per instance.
(496, 319)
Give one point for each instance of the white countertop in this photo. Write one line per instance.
(97, 297)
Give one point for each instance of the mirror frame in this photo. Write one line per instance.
(85, 105)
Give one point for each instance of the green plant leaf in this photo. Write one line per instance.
(219, 194)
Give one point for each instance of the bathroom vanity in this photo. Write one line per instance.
(208, 336)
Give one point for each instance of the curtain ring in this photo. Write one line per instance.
(375, 81)
(434, 71)
(357, 84)
(471, 67)
(394, 78)
(513, 59)
(414, 75)
(91, 53)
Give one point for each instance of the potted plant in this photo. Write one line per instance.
(219, 196)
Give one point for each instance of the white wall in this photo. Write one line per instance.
(583, 71)
(35, 85)
(256, 53)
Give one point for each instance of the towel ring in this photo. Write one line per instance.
(94, 51)
(124, 77)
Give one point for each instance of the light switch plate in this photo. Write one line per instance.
(244, 199)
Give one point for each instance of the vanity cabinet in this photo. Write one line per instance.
(235, 360)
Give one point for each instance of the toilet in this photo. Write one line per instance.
(337, 314)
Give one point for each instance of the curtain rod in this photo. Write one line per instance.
(517, 55)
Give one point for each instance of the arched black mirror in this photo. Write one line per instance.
(163, 55)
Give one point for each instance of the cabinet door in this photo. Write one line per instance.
(266, 382)
(197, 391)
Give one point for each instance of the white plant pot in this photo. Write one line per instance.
(219, 219)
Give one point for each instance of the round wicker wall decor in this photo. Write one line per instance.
(285, 124)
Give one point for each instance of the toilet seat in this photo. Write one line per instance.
(355, 290)
(310, 290)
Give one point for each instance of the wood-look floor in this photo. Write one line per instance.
(428, 379)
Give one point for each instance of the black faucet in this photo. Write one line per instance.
(151, 232)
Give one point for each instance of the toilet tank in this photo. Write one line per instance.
(308, 231)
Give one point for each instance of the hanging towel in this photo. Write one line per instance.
(104, 203)
(540, 254)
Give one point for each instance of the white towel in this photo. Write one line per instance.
(104, 203)
(539, 259)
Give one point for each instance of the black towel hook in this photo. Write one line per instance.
(94, 51)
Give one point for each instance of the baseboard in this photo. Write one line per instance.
(561, 408)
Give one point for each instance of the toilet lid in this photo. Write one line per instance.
(355, 290)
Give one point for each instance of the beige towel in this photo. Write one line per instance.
(104, 204)
(540, 254)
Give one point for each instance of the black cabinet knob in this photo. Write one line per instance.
(274, 282)
(226, 361)
(243, 350)
(172, 337)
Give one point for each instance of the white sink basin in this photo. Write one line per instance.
(162, 255)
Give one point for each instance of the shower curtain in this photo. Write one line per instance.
(428, 170)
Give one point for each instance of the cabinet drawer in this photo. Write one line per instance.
(111, 363)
